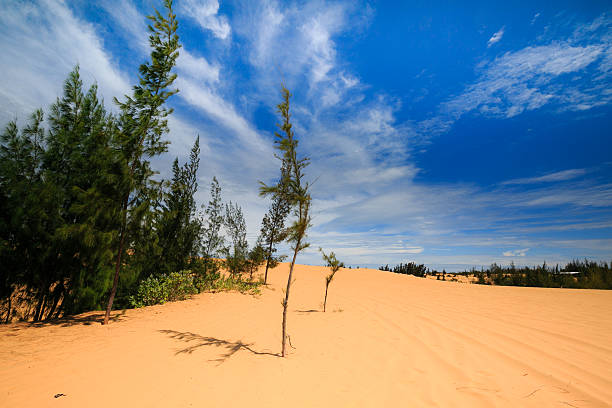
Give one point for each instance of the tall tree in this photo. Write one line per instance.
(335, 265)
(236, 255)
(25, 237)
(60, 208)
(212, 240)
(273, 226)
(142, 124)
(256, 257)
(83, 171)
(295, 190)
(178, 228)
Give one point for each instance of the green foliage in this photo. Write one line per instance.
(59, 190)
(273, 225)
(334, 264)
(164, 288)
(236, 255)
(211, 239)
(218, 283)
(180, 285)
(256, 258)
(178, 228)
(294, 190)
(576, 274)
(409, 268)
(141, 125)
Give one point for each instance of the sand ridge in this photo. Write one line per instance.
(386, 340)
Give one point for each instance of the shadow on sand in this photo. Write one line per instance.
(308, 311)
(84, 319)
(230, 347)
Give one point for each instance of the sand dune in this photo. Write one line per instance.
(386, 340)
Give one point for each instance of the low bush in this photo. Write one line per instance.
(180, 285)
(164, 288)
(229, 283)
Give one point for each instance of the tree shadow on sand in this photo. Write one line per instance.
(307, 311)
(231, 347)
(67, 321)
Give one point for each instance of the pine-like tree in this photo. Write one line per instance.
(83, 171)
(256, 258)
(236, 255)
(25, 236)
(295, 190)
(335, 265)
(273, 228)
(141, 126)
(212, 240)
(178, 228)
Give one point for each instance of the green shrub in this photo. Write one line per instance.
(229, 283)
(164, 288)
(180, 285)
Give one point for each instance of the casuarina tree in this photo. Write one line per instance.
(212, 240)
(178, 227)
(295, 190)
(236, 255)
(273, 227)
(141, 125)
(335, 265)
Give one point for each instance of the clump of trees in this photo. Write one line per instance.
(409, 268)
(334, 264)
(84, 224)
(576, 274)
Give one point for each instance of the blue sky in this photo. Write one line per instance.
(454, 134)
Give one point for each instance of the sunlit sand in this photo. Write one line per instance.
(386, 340)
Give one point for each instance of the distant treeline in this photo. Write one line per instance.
(406, 269)
(576, 274)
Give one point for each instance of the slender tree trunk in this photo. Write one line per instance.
(40, 307)
(325, 301)
(268, 261)
(60, 307)
(56, 299)
(117, 264)
(8, 312)
(286, 301)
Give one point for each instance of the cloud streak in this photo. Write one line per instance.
(495, 38)
(551, 177)
(206, 14)
(536, 76)
(35, 68)
(516, 252)
(371, 203)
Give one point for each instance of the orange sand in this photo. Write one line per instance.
(386, 340)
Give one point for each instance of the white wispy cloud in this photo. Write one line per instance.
(197, 68)
(495, 38)
(535, 76)
(288, 42)
(206, 14)
(516, 252)
(368, 203)
(551, 177)
(35, 67)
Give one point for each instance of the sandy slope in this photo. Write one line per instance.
(386, 340)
